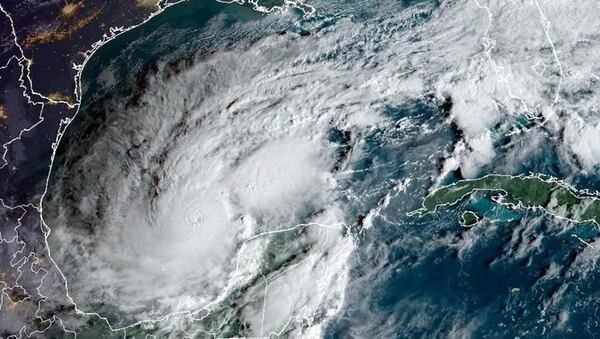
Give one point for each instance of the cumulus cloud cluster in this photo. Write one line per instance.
(528, 59)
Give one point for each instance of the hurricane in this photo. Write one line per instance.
(249, 174)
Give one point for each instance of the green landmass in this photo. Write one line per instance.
(526, 192)
(469, 218)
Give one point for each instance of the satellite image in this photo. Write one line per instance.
(299, 169)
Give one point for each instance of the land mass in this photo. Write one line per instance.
(522, 192)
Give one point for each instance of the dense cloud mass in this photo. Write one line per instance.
(223, 178)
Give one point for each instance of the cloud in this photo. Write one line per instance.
(581, 139)
(176, 200)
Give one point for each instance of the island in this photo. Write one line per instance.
(530, 192)
(469, 218)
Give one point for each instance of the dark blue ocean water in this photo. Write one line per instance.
(513, 274)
